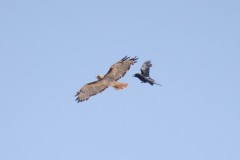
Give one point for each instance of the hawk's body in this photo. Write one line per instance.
(117, 71)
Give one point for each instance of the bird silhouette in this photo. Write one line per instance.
(144, 75)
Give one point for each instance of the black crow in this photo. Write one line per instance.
(144, 75)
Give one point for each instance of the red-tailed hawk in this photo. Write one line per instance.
(117, 71)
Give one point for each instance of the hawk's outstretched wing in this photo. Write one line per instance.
(119, 69)
(145, 70)
(91, 89)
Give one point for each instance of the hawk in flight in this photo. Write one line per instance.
(116, 71)
(144, 75)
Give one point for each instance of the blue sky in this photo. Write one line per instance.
(50, 49)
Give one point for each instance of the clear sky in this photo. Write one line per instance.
(50, 48)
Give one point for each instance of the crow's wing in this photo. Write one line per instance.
(145, 69)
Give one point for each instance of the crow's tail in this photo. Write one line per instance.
(157, 84)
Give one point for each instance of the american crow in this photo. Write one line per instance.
(144, 75)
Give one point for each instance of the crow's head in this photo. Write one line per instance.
(136, 75)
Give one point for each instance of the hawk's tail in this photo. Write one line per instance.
(119, 85)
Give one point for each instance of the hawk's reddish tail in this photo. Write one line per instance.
(119, 85)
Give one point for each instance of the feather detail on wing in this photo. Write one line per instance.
(119, 69)
(145, 69)
(91, 89)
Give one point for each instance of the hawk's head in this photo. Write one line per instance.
(100, 77)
